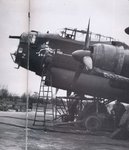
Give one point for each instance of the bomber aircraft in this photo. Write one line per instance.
(99, 68)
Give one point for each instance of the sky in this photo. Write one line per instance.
(108, 17)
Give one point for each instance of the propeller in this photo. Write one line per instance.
(83, 56)
(87, 42)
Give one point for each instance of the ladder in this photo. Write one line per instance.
(44, 108)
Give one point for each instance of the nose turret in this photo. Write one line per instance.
(20, 54)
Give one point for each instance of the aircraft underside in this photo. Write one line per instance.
(87, 84)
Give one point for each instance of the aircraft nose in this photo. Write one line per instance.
(80, 54)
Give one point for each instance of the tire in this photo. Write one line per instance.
(93, 123)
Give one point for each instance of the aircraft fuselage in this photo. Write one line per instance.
(63, 66)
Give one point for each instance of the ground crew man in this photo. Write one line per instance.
(117, 111)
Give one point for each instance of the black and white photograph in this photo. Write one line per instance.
(64, 74)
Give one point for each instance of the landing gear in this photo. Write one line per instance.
(93, 123)
(95, 116)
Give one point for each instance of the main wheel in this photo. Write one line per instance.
(93, 123)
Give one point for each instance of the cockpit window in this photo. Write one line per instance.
(24, 37)
(76, 34)
(31, 37)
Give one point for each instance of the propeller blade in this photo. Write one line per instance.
(87, 60)
(77, 74)
(87, 39)
(83, 56)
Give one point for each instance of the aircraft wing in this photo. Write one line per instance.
(115, 81)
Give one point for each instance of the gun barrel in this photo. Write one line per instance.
(14, 37)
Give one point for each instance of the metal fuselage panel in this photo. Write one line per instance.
(63, 66)
(89, 84)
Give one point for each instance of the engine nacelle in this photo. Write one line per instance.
(111, 58)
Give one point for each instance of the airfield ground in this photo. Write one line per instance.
(12, 137)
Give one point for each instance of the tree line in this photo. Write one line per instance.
(9, 100)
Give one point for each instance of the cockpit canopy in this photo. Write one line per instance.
(76, 34)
